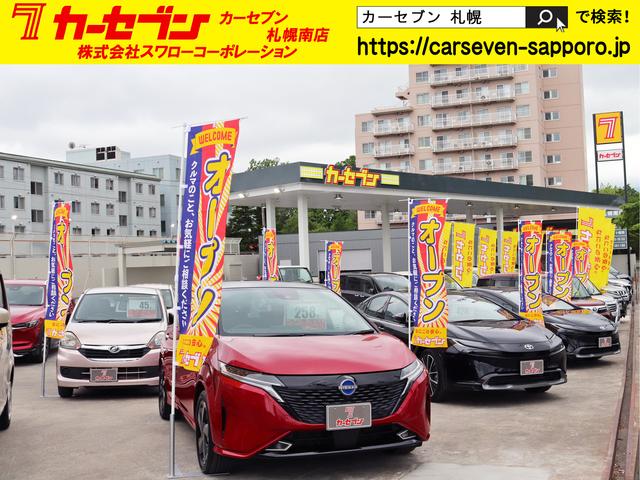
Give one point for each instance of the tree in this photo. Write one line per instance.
(629, 218)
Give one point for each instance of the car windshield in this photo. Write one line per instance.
(281, 312)
(579, 290)
(118, 308)
(549, 302)
(396, 283)
(28, 295)
(167, 298)
(464, 309)
(591, 288)
(506, 281)
(295, 275)
(450, 283)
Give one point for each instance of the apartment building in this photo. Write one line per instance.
(104, 202)
(164, 167)
(500, 123)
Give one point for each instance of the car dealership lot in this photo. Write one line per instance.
(109, 433)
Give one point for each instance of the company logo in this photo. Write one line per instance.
(114, 349)
(603, 327)
(348, 386)
(528, 346)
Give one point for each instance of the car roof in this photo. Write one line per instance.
(41, 283)
(405, 295)
(147, 290)
(153, 285)
(500, 275)
(266, 284)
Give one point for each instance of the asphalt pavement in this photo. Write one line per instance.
(117, 434)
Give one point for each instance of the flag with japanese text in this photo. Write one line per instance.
(333, 257)
(60, 277)
(509, 251)
(607, 252)
(429, 309)
(269, 255)
(487, 244)
(559, 265)
(580, 260)
(590, 232)
(462, 247)
(530, 284)
(211, 150)
(444, 244)
(601, 246)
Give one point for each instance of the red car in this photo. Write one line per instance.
(27, 301)
(295, 370)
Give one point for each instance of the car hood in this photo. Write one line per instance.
(582, 320)
(502, 332)
(24, 313)
(587, 302)
(115, 333)
(319, 355)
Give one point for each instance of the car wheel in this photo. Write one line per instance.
(65, 392)
(437, 372)
(538, 389)
(163, 407)
(5, 417)
(210, 462)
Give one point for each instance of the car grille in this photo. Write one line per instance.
(126, 373)
(548, 376)
(309, 404)
(124, 353)
(612, 307)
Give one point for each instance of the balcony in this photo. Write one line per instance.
(393, 128)
(493, 96)
(473, 75)
(477, 120)
(393, 151)
(485, 165)
(403, 92)
(394, 217)
(405, 107)
(478, 143)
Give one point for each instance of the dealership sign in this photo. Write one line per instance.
(620, 239)
(201, 236)
(429, 309)
(333, 257)
(530, 251)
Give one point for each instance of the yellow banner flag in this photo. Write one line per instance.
(487, 244)
(509, 251)
(590, 231)
(462, 253)
(603, 251)
(444, 244)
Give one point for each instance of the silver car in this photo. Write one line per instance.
(6, 360)
(113, 339)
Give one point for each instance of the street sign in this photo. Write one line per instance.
(620, 239)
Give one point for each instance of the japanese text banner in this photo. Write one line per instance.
(429, 308)
(60, 278)
(444, 244)
(590, 231)
(487, 244)
(201, 237)
(601, 246)
(559, 265)
(269, 255)
(333, 257)
(530, 251)
(462, 253)
(607, 252)
(509, 251)
(580, 259)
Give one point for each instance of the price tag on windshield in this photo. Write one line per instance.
(310, 316)
(141, 307)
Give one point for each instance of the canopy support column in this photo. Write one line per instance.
(386, 240)
(303, 231)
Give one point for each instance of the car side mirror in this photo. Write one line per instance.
(4, 317)
(371, 290)
(401, 318)
(170, 318)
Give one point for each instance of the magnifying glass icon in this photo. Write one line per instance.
(546, 16)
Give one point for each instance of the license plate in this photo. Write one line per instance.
(345, 417)
(532, 367)
(103, 375)
(604, 342)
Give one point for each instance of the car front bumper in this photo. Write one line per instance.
(27, 340)
(586, 344)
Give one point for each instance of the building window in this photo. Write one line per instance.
(1, 171)
(523, 111)
(554, 181)
(555, 158)
(18, 203)
(508, 179)
(18, 174)
(488, 179)
(139, 211)
(153, 233)
(524, 133)
(158, 172)
(424, 120)
(95, 182)
(369, 214)
(526, 180)
(37, 216)
(95, 231)
(520, 67)
(552, 115)
(162, 199)
(58, 178)
(424, 142)
(100, 153)
(111, 232)
(2, 201)
(140, 233)
(551, 137)
(122, 220)
(525, 157)
(425, 164)
(178, 200)
(550, 94)
(109, 183)
(36, 188)
(111, 209)
(163, 227)
(76, 231)
(367, 126)
(367, 148)
(122, 196)
(152, 189)
(152, 212)
(19, 229)
(177, 174)
(138, 188)
(422, 98)
(111, 153)
(75, 180)
(75, 206)
(549, 73)
(422, 77)
(95, 208)
(521, 88)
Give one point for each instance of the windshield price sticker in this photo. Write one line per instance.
(307, 317)
(140, 308)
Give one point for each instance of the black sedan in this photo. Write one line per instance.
(584, 333)
(489, 347)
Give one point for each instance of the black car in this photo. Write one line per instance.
(489, 348)
(585, 334)
(357, 287)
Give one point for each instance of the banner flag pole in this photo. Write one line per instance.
(44, 332)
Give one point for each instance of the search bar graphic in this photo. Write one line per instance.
(463, 17)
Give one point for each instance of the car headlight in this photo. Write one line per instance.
(156, 341)
(411, 373)
(29, 324)
(70, 341)
(261, 380)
